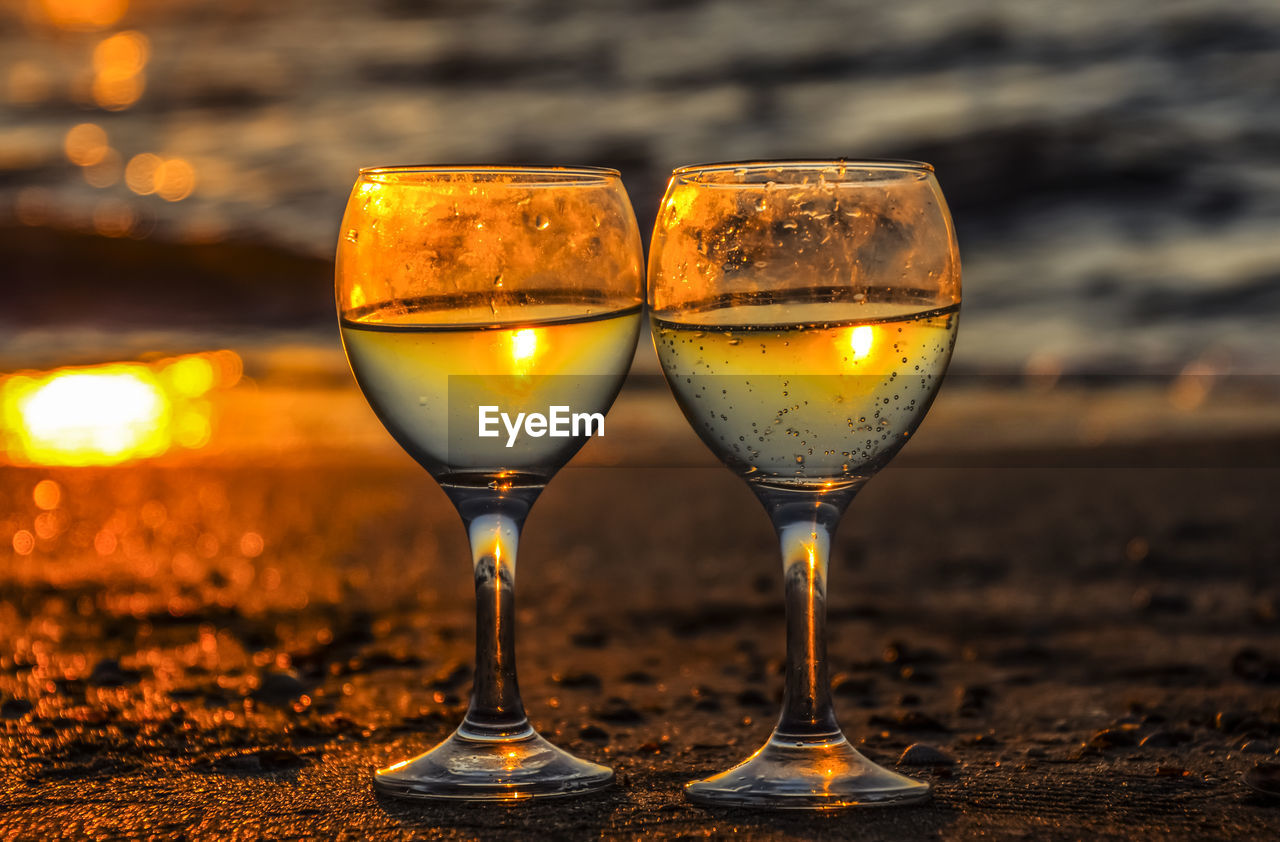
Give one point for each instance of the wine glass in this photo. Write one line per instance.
(466, 292)
(804, 313)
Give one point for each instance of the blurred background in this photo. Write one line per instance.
(1113, 165)
(172, 175)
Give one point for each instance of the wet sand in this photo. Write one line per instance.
(223, 648)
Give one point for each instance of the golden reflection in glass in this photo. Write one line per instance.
(524, 349)
(861, 338)
(78, 14)
(111, 413)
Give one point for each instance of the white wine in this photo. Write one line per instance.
(429, 382)
(806, 392)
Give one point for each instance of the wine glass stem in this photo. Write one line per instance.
(496, 712)
(807, 714)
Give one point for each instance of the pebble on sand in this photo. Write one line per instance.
(922, 754)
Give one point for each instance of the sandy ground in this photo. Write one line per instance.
(225, 647)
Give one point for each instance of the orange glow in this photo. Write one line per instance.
(47, 495)
(113, 218)
(80, 14)
(524, 345)
(251, 545)
(86, 144)
(23, 542)
(189, 376)
(106, 414)
(122, 54)
(102, 415)
(116, 93)
(140, 174)
(861, 339)
(118, 62)
(174, 180)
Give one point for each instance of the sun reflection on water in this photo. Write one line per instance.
(111, 413)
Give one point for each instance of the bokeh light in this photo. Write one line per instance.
(140, 173)
(118, 62)
(97, 416)
(47, 495)
(111, 413)
(122, 54)
(79, 14)
(115, 93)
(171, 179)
(86, 144)
(174, 180)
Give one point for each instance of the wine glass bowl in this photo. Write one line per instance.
(804, 314)
(463, 291)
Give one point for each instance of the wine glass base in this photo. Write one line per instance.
(807, 775)
(514, 770)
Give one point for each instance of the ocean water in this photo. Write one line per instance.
(1113, 166)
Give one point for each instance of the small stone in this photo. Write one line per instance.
(590, 639)
(1232, 722)
(973, 698)
(578, 679)
(922, 754)
(619, 712)
(1251, 665)
(918, 675)
(261, 760)
(1257, 747)
(980, 741)
(1113, 738)
(847, 686)
(280, 689)
(1171, 772)
(451, 678)
(1035, 753)
(638, 677)
(752, 697)
(1164, 738)
(912, 720)
(594, 734)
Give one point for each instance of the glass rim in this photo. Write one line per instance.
(902, 165)
(527, 174)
